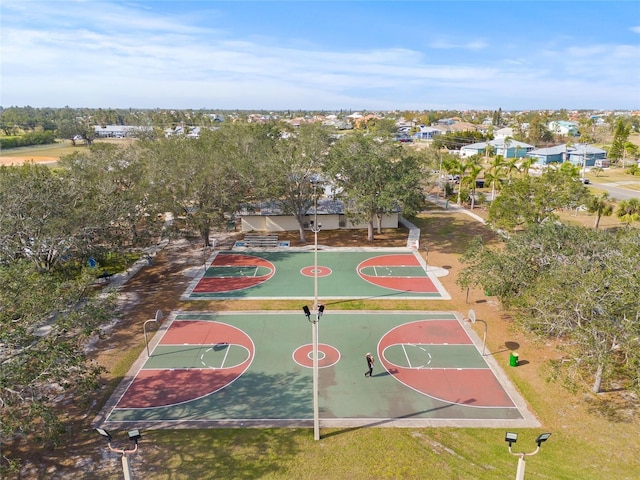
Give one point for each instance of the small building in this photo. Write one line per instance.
(331, 214)
(119, 131)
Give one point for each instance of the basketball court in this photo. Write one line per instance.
(255, 369)
(342, 273)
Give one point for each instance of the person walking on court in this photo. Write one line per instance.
(370, 362)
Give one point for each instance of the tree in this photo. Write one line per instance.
(620, 137)
(374, 176)
(46, 320)
(600, 206)
(468, 179)
(572, 284)
(629, 211)
(494, 175)
(39, 220)
(538, 131)
(525, 165)
(533, 200)
(630, 151)
(292, 167)
(455, 167)
(115, 206)
(204, 181)
(496, 118)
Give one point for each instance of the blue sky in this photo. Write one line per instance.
(364, 55)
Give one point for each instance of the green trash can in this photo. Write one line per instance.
(513, 359)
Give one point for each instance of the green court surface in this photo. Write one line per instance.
(247, 368)
(341, 274)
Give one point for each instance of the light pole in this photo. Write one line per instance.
(441, 182)
(134, 436)
(473, 319)
(317, 310)
(315, 319)
(157, 318)
(315, 228)
(511, 438)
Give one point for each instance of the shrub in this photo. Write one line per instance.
(28, 139)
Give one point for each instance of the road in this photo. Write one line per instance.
(616, 191)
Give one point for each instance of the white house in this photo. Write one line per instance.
(562, 127)
(508, 149)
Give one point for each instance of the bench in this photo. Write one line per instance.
(260, 240)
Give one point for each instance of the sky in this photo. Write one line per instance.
(321, 55)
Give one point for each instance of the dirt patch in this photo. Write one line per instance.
(25, 159)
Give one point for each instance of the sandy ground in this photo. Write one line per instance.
(29, 158)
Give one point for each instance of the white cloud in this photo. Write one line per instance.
(111, 54)
(448, 45)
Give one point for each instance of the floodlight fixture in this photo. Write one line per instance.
(511, 438)
(134, 435)
(306, 310)
(320, 310)
(104, 433)
(543, 437)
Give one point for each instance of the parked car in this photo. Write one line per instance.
(585, 180)
(403, 138)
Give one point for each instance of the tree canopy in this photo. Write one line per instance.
(534, 200)
(374, 177)
(573, 284)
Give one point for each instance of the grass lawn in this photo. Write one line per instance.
(594, 437)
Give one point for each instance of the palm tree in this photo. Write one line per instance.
(526, 165)
(507, 143)
(494, 174)
(510, 167)
(601, 207)
(489, 150)
(629, 211)
(453, 166)
(470, 180)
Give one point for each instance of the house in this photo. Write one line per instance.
(426, 133)
(457, 127)
(564, 128)
(584, 155)
(503, 133)
(508, 149)
(332, 214)
(547, 156)
(576, 154)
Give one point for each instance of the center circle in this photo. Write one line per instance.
(321, 355)
(327, 355)
(312, 271)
